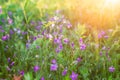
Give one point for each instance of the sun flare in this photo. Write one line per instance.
(112, 2)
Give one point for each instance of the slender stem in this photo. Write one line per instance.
(26, 20)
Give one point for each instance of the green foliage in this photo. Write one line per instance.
(37, 46)
(28, 76)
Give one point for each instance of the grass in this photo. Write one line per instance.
(41, 34)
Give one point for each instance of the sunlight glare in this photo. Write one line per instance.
(111, 2)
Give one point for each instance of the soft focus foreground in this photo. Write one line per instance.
(59, 40)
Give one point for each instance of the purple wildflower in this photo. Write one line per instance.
(82, 46)
(52, 19)
(1, 30)
(12, 63)
(106, 37)
(57, 11)
(8, 68)
(103, 48)
(3, 20)
(66, 40)
(9, 13)
(38, 28)
(100, 53)
(49, 36)
(40, 36)
(32, 23)
(57, 50)
(72, 44)
(0, 27)
(55, 33)
(108, 48)
(61, 30)
(81, 41)
(42, 78)
(79, 59)
(10, 21)
(43, 32)
(27, 45)
(22, 72)
(28, 41)
(69, 25)
(56, 18)
(111, 69)
(34, 38)
(18, 31)
(24, 33)
(106, 54)
(36, 68)
(60, 46)
(57, 41)
(60, 36)
(40, 23)
(6, 37)
(8, 59)
(53, 67)
(74, 76)
(64, 72)
(53, 61)
(101, 34)
(11, 32)
(37, 47)
(0, 10)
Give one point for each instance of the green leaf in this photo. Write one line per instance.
(110, 78)
(67, 77)
(28, 76)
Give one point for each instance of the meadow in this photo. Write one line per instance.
(59, 40)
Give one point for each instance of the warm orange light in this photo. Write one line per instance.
(111, 2)
(102, 14)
